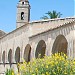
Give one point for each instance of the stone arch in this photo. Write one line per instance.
(3, 57)
(10, 56)
(41, 48)
(60, 44)
(17, 55)
(27, 52)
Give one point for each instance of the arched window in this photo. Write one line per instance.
(23, 3)
(17, 55)
(60, 45)
(22, 15)
(40, 50)
(27, 52)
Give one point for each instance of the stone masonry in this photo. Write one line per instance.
(30, 39)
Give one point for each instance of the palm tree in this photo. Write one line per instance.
(51, 15)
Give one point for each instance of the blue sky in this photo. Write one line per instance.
(38, 9)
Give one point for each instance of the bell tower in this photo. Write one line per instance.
(23, 13)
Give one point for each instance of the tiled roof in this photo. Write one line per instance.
(2, 33)
(41, 26)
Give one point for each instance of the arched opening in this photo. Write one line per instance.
(17, 55)
(3, 57)
(10, 57)
(22, 15)
(27, 52)
(40, 50)
(60, 45)
(23, 3)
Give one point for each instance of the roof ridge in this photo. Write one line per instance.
(52, 19)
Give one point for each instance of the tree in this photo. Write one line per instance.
(51, 15)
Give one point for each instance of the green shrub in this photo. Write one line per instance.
(9, 72)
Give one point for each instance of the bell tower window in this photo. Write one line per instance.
(22, 3)
(22, 15)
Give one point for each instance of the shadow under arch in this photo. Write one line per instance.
(27, 53)
(60, 45)
(17, 55)
(40, 50)
(10, 57)
(3, 58)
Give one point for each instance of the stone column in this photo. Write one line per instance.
(33, 49)
(6, 53)
(48, 47)
(21, 50)
(69, 49)
(1, 53)
(74, 42)
(13, 51)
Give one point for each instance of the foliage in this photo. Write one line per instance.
(51, 15)
(57, 64)
(9, 72)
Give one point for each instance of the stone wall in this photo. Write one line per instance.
(26, 35)
(17, 38)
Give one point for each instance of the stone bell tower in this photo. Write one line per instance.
(23, 13)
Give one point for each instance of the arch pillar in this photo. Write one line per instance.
(6, 53)
(33, 49)
(71, 44)
(7, 65)
(21, 49)
(13, 52)
(74, 42)
(14, 66)
(13, 56)
(70, 51)
(1, 56)
(6, 57)
(48, 47)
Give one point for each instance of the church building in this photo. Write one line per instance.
(30, 39)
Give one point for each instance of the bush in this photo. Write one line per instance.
(9, 72)
(57, 64)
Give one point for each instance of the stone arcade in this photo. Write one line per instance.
(30, 39)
